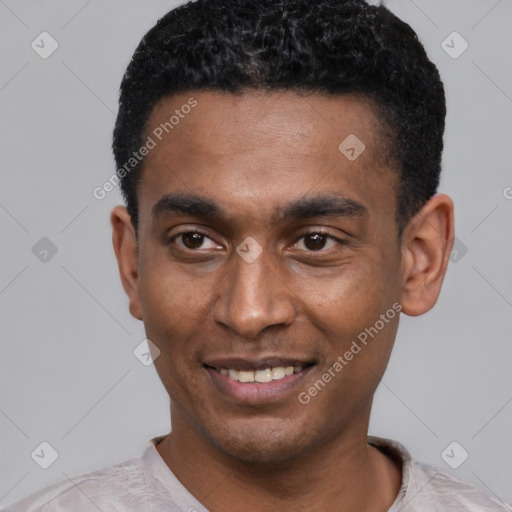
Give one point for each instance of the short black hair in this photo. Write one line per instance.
(330, 47)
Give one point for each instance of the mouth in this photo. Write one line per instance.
(257, 381)
(262, 376)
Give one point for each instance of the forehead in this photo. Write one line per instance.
(256, 116)
(263, 147)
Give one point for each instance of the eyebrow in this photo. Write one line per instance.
(330, 205)
(325, 205)
(188, 204)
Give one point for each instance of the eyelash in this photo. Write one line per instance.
(325, 234)
(189, 231)
(304, 234)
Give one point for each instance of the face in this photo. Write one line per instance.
(267, 253)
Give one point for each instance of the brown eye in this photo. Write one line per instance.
(315, 241)
(192, 240)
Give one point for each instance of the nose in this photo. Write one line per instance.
(253, 297)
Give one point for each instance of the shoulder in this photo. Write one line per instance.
(426, 488)
(114, 488)
(449, 493)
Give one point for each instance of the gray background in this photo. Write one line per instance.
(68, 375)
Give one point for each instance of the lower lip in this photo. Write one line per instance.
(257, 392)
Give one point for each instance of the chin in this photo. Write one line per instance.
(265, 442)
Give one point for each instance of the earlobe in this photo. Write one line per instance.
(124, 240)
(427, 242)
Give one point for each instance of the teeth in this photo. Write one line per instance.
(262, 376)
(244, 376)
(278, 373)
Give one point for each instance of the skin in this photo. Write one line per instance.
(251, 154)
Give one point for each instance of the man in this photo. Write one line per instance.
(280, 163)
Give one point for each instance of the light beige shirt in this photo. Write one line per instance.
(146, 484)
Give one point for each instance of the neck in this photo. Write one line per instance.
(344, 470)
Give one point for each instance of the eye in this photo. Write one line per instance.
(192, 240)
(317, 242)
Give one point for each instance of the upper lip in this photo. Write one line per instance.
(257, 363)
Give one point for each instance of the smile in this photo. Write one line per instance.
(262, 381)
(261, 376)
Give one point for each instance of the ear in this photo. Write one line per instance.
(124, 240)
(427, 242)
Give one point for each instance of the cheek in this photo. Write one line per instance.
(174, 316)
(348, 312)
(353, 298)
(171, 309)
(169, 294)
